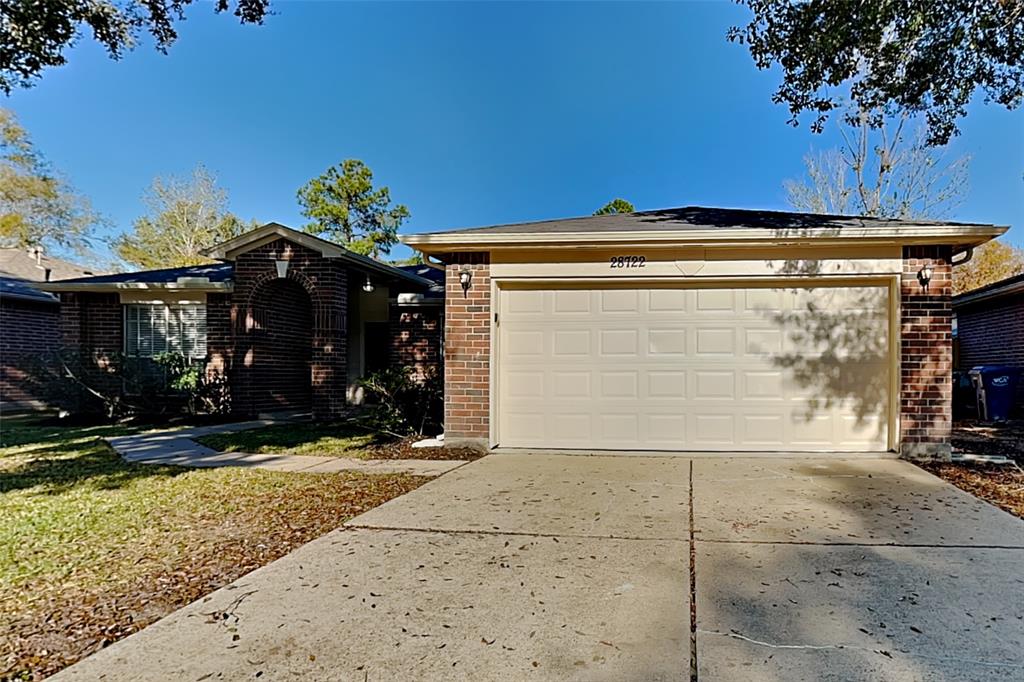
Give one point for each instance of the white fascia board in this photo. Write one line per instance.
(909, 234)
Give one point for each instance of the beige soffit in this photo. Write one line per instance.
(960, 235)
(182, 284)
(230, 249)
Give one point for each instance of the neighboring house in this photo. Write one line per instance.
(29, 317)
(289, 320)
(989, 327)
(702, 329)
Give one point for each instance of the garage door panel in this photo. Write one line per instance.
(708, 369)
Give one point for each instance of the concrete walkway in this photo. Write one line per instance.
(177, 447)
(553, 567)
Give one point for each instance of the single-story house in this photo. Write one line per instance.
(29, 317)
(988, 327)
(288, 319)
(702, 329)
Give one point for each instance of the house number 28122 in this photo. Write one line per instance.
(627, 261)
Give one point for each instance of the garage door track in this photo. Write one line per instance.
(530, 566)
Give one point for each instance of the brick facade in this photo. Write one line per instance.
(926, 353)
(26, 328)
(467, 350)
(991, 332)
(416, 337)
(260, 341)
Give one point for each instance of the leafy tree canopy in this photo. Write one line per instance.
(992, 261)
(615, 206)
(37, 207)
(186, 216)
(896, 56)
(35, 34)
(344, 207)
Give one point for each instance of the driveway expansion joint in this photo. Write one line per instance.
(908, 545)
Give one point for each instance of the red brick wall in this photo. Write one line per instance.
(991, 332)
(26, 328)
(467, 348)
(325, 281)
(416, 337)
(926, 353)
(283, 347)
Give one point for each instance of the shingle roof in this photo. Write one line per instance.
(699, 218)
(13, 287)
(21, 264)
(215, 272)
(435, 276)
(993, 290)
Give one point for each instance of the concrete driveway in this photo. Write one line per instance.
(585, 568)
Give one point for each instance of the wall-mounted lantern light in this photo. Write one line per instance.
(465, 279)
(925, 276)
(368, 285)
(282, 268)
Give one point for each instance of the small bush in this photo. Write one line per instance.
(401, 404)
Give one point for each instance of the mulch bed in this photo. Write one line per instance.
(403, 449)
(47, 627)
(1001, 485)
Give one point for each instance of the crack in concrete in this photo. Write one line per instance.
(853, 647)
(693, 588)
(909, 545)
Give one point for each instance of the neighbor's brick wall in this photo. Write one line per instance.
(467, 348)
(926, 353)
(992, 333)
(26, 328)
(326, 283)
(416, 337)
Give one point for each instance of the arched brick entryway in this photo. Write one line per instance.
(282, 346)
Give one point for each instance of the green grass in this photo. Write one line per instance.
(321, 440)
(93, 548)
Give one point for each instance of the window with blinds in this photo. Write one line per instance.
(151, 329)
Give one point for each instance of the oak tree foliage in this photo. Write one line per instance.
(895, 57)
(992, 261)
(344, 206)
(186, 216)
(35, 34)
(37, 206)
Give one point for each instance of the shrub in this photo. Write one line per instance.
(121, 386)
(401, 404)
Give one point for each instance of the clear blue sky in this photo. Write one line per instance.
(473, 114)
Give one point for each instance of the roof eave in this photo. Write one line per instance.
(271, 231)
(29, 297)
(99, 287)
(481, 241)
(972, 297)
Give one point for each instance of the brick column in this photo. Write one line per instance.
(467, 351)
(926, 354)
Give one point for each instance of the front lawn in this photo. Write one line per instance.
(93, 548)
(343, 439)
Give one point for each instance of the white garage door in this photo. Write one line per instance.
(731, 369)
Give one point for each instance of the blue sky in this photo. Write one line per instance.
(473, 114)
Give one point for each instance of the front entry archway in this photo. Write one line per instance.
(282, 347)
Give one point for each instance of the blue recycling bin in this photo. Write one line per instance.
(996, 389)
